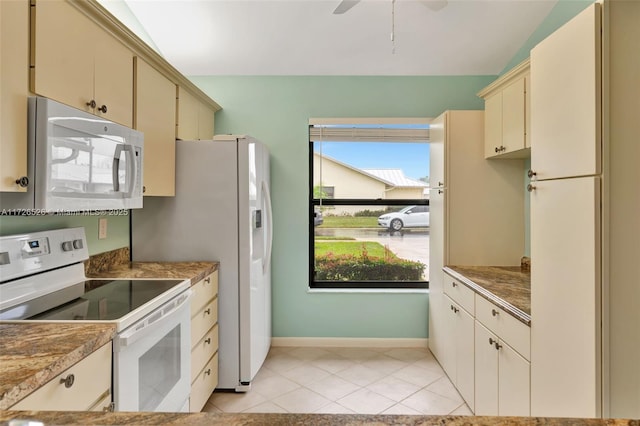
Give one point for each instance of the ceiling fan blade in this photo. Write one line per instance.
(344, 6)
(435, 5)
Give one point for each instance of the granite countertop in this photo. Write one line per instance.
(34, 353)
(196, 419)
(180, 270)
(506, 286)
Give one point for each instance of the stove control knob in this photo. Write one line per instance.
(77, 244)
(67, 246)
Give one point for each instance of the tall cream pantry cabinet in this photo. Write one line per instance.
(476, 218)
(585, 226)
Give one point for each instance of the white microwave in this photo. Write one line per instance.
(77, 162)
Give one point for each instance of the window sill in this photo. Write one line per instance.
(369, 290)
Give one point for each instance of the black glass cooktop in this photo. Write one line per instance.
(107, 299)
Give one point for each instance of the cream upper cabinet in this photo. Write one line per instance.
(566, 107)
(14, 89)
(155, 116)
(507, 108)
(86, 386)
(76, 62)
(195, 118)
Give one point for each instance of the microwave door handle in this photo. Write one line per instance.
(132, 168)
(115, 166)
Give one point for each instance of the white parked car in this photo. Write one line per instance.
(408, 217)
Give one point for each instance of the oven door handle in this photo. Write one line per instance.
(152, 322)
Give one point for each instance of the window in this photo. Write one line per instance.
(369, 205)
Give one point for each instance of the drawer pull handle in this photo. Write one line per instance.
(207, 311)
(207, 372)
(494, 312)
(68, 381)
(207, 280)
(207, 340)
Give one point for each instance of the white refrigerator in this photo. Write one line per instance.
(221, 212)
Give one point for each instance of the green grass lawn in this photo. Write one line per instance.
(350, 247)
(349, 222)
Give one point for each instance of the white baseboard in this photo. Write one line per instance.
(350, 342)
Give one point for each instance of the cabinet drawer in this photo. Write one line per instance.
(203, 351)
(460, 293)
(204, 385)
(203, 291)
(92, 378)
(508, 328)
(203, 320)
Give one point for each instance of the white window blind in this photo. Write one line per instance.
(367, 134)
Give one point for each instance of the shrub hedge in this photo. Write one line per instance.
(364, 268)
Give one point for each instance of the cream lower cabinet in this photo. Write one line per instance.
(502, 362)
(204, 341)
(459, 359)
(502, 377)
(86, 386)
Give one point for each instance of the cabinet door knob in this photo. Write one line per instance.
(531, 173)
(68, 381)
(207, 340)
(494, 312)
(23, 181)
(494, 343)
(92, 103)
(440, 191)
(454, 309)
(453, 284)
(144, 189)
(208, 372)
(207, 280)
(531, 188)
(207, 311)
(440, 183)
(103, 109)
(497, 149)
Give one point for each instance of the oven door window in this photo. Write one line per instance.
(152, 365)
(159, 370)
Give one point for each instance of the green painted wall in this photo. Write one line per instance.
(276, 110)
(563, 11)
(117, 228)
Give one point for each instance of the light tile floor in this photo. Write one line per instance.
(346, 380)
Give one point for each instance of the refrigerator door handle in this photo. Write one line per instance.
(266, 260)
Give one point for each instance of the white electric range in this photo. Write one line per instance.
(42, 279)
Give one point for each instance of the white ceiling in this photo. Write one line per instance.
(304, 37)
